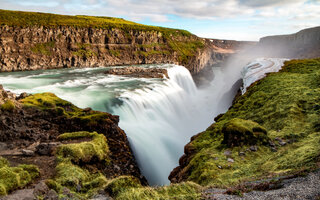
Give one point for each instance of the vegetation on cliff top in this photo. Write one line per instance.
(180, 41)
(50, 102)
(72, 159)
(84, 152)
(12, 178)
(287, 105)
(73, 173)
(23, 19)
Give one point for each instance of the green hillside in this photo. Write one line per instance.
(279, 116)
(19, 18)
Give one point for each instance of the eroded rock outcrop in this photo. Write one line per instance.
(34, 123)
(139, 72)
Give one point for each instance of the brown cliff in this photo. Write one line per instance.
(33, 43)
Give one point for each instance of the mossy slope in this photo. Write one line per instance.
(12, 178)
(287, 105)
(50, 102)
(74, 171)
(74, 161)
(128, 188)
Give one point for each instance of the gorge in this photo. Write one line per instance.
(157, 126)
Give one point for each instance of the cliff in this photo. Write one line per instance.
(304, 44)
(67, 146)
(30, 41)
(271, 131)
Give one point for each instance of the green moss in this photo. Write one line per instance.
(43, 48)
(12, 178)
(115, 53)
(18, 18)
(286, 104)
(80, 181)
(238, 132)
(84, 50)
(8, 106)
(3, 162)
(84, 152)
(52, 103)
(186, 49)
(76, 135)
(152, 52)
(121, 184)
(182, 191)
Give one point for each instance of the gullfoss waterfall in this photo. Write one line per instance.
(158, 115)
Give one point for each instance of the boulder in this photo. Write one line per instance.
(45, 149)
(27, 152)
(40, 189)
(239, 132)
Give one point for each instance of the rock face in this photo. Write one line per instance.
(35, 122)
(304, 44)
(139, 72)
(62, 46)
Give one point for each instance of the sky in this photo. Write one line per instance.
(221, 19)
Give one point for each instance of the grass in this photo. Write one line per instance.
(239, 132)
(51, 103)
(43, 48)
(284, 105)
(84, 152)
(152, 52)
(115, 53)
(12, 178)
(129, 188)
(25, 19)
(84, 50)
(71, 160)
(8, 106)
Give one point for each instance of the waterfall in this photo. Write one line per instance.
(158, 115)
(156, 119)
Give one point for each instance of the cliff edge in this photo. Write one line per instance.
(30, 41)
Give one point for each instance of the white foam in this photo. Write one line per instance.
(258, 69)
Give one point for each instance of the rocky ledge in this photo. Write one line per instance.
(46, 139)
(139, 72)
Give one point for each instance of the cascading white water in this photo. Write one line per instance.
(156, 120)
(258, 69)
(159, 116)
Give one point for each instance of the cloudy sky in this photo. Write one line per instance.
(223, 19)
